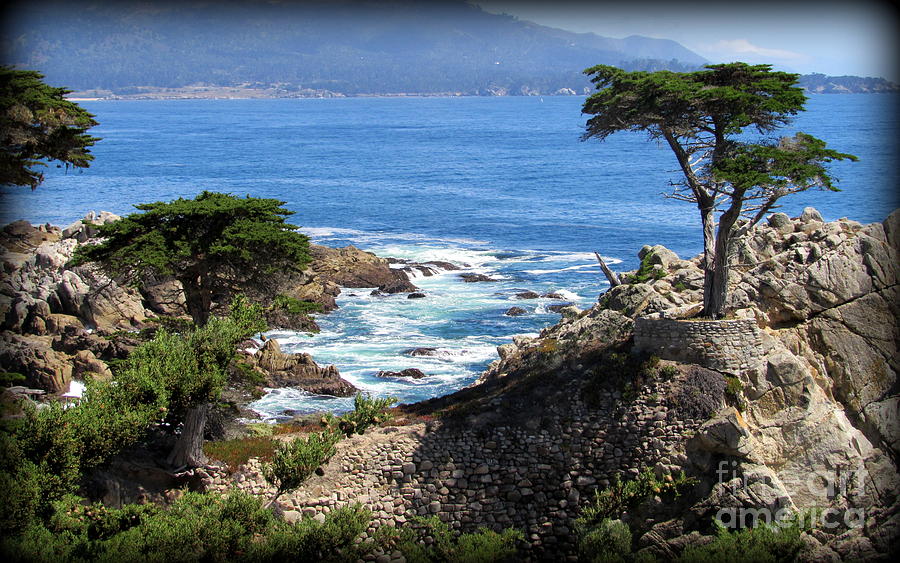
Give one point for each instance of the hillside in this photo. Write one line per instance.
(298, 47)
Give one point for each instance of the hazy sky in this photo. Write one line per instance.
(827, 36)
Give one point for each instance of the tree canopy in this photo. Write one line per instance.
(704, 116)
(37, 125)
(216, 245)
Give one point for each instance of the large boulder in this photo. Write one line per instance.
(34, 357)
(351, 267)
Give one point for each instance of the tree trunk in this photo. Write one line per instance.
(197, 299)
(708, 219)
(714, 305)
(188, 450)
(611, 276)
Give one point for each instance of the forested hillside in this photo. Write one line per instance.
(346, 47)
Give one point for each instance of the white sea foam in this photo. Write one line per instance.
(566, 269)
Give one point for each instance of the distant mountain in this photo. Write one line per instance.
(348, 47)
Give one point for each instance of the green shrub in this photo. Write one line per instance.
(295, 461)
(608, 541)
(196, 527)
(367, 412)
(308, 540)
(763, 544)
(646, 271)
(295, 306)
(611, 502)
(8, 379)
(481, 546)
(733, 387)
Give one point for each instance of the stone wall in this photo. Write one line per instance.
(532, 476)
(730, 346)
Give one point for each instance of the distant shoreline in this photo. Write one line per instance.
(260, 95)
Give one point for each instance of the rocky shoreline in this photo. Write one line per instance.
(62, 323)
(806, 419)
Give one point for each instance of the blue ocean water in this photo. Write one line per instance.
(501, 185)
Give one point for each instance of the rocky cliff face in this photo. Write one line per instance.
(818, 420)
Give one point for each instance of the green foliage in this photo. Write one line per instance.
(608, 541)
(482, 546)
(621, 495)
(733, 387)
(295, 461)
(793, 164)
(763, 544)
(295, 306)
(197, 527)
(367, 412)
(235, 453)
(647, 271)
(211, 244)
(308, 540)
(37, 124)
(8, 379)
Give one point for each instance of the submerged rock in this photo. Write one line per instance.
(472, 278)
(411, 373)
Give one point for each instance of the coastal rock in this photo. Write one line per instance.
(515, 312)
(83, 292)
(164, 296)
(395, 286)
(421, 352)
(527, 295)
(416, 295)
(473, 278)
(21, 237)
(352, 267)
(84, 229)
(33, 356)
(411, 373)
(635, 299)
(297, 370)
(658, 255)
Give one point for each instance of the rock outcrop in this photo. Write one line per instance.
(818, 419)
(297, 370)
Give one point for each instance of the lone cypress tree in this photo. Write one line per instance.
(701, 116)
(216, 245)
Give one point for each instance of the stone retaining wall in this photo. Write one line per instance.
(729, 346)
(533, 476)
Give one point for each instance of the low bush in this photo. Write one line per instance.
(701, 395)
(645, 272)
(608, 541)
(481, 546)
(612, 501)
(295, 461)
(763, 544)
(196, 527)
(295, 306)
(367, 412)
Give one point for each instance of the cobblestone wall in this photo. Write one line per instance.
(533, 476)
(729, 346)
